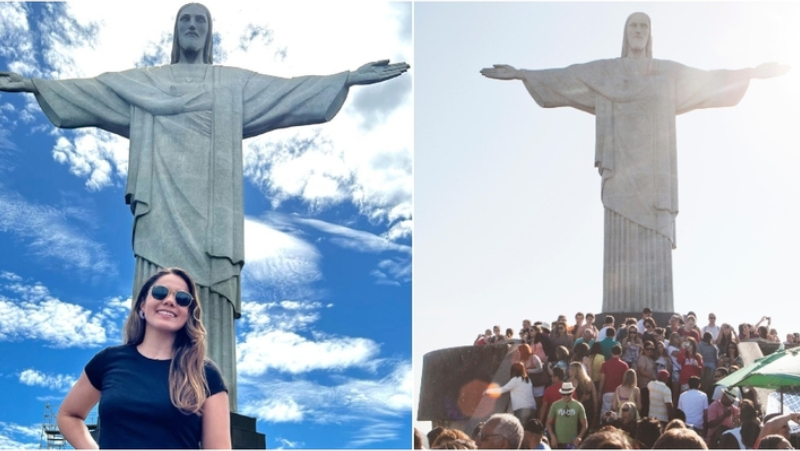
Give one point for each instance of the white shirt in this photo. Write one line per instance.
(693, 403)
(713, 330)
(521, 393)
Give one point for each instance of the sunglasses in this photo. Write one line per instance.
(182, 298)
(485, 437)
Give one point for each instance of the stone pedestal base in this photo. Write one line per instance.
(244, 434)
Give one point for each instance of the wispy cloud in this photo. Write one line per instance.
(51, 234)
(352, 239)
(376, 432)
(391, 271)
(350, 399)
(279, 265)
(16, 436)
(288, 444)
(272, 341)
(54, 382)
(29, 312)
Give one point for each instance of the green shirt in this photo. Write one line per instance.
(567, 417)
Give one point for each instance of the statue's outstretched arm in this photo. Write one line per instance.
(14, 82)
(768, 70)
(502, 72)
(376, 72)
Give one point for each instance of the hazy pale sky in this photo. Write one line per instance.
(509, 222)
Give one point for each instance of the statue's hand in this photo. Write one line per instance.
(502, 72)
(376, 72)
(769, 70)
(14, 82)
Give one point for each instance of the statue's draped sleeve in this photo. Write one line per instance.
(83, 103)
(165, 118)
(635, 125)
(271, 102)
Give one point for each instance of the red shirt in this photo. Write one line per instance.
(552, 394)
(688, 367)
(614, 369)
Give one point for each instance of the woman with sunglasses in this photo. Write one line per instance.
(632, 346)
(628, 419)
(731, 357)
(727, 335)
(561, 337)
(157, 390)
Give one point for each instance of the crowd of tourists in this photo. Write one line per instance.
(635, 385)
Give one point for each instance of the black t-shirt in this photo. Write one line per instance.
(135, 410)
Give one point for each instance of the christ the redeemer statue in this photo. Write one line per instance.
(186, 121)
(635, 99)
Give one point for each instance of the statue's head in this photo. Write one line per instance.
(196, 16)
(637, 35)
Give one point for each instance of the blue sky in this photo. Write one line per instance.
(508, 218)
(324, 345)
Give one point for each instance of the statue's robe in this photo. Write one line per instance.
(636, 155)
(185, 176)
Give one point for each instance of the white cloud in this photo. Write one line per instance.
(288, 444)
(293, 353)
(36, 315)
(351, 399)
(276, 411)
(95, 155)
(279, 265)
(375, 432)
(356, 240)
(16, 436)
(259, 317)
(272, 341)
(54, 382)
(7, 275)
(16, 41)
(50, 234)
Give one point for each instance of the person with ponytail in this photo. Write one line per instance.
(157, 390)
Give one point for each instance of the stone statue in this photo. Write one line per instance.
(185, 122)
(635, 99)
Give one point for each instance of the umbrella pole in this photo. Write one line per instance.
(781, 400)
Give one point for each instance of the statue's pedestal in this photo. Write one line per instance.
(244, 434)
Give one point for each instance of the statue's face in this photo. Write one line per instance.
(638, 31)
(192, 28)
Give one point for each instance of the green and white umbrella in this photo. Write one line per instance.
(778, 371)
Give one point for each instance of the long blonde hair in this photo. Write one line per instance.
(187, 378)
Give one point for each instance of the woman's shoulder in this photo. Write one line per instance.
(116, 351)
(216, 383)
